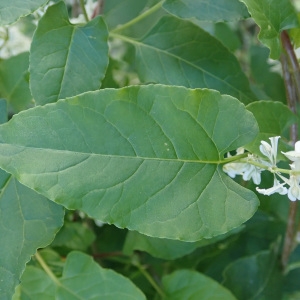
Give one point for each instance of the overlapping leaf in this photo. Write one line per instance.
(142, 157)
(205, 10)
(13, 83)
(177, 52)
(66, 59)
(11, 11)
(27, 221)
(272, 17)
(186, 284)
(82, 279)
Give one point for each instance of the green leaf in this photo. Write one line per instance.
(142, 157)
(185, 284)
(167, 249)
(13, 84)
(273, 119)
(173, 53)
(255, 277)
(264, 78)
(11, 11)
(27, 221)
(205, 10)
(82, 278)
(66, 59)
(74, 236)
(272, 17)
(160, 248)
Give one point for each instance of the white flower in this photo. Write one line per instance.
(247, 170)
(294, 190)
(293, 155)
(276, 188)
(270, 151)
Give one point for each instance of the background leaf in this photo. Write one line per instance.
(173, 53)
(66, 59)
(255, 277)
(14, 82)
(273, 119)
(204, 10)
(82, 279)
(185, 284)
(166, 143)
(272, 17)
(11, 11)
(27, 221)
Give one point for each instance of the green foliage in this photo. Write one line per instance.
(117, 125)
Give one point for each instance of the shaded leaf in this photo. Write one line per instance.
(74, 236)
(13, 83)
(142, 157)
(255, 277)
(27, 221)
(173, 53)
(185, 284)
(272, 17)
(11, 11)
(66, 59)
(205, 10)
(273, 119)
(82, 279)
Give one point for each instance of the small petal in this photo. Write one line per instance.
(294, 190)
(252, 172)
(293, 155)
(276, 188)
(270, 151)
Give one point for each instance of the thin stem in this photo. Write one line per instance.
(150, 279)
(140, 17)
(291, 76)
(46, 268)
(84, 10)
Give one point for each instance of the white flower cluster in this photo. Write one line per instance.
(249, 169)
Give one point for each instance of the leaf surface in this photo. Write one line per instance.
(66, 59)
(142, 157)
(272, 17)
(177, 52)
(205, 10)
(11, 11)
(82, 278)
(13, 83)
(186, 284)
(27, 221)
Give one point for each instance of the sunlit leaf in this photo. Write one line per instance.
(11, 11)
(27, 221)
(66, 59)
(82, 278)
(186, 284)
(177, 52)
(206, 10)
(142, 157)
(272, 17)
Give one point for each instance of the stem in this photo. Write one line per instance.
(150, 279)
(140, 17)
(291, 76)
(46, 268)
(84, 10)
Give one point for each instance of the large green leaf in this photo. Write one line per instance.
(82, 279)
(142, 157)
(13, 83)
(177, 52)
(272, 17)
(66, 59)
(27, 221)
(12, 10)
(205, 10)
(186, 284)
